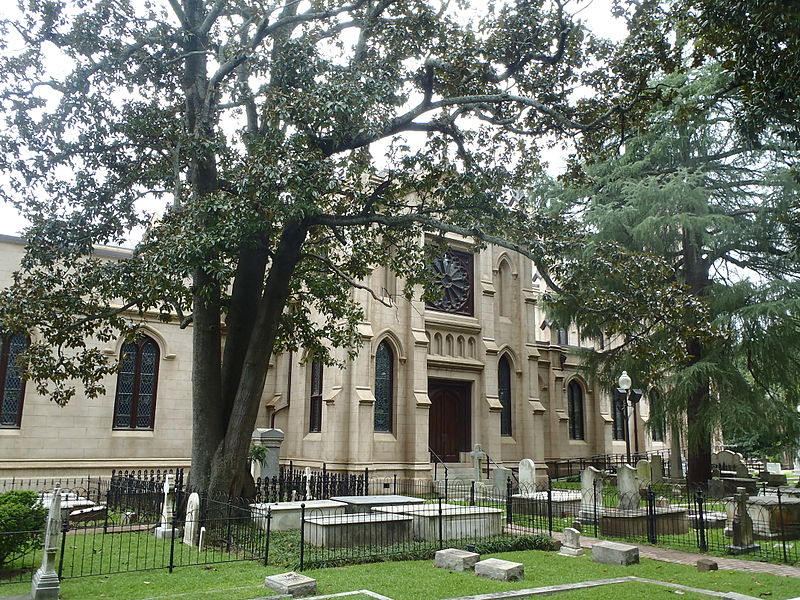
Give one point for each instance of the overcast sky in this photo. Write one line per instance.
(596, 13)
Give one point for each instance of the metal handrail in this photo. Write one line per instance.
(488, 456)
(437, 462)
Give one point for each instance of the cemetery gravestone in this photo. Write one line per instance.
(477, 455)
(571, 544)
(45, 584)
(628, 488)
(527, 475)
(500, 477)
(271, 439)
(591, 494)
(742, 525)
(644, 473)
(165, 530)
(657, 468)
(192, 519)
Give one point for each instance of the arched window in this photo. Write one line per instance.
(384, 387)
(315, 398)
(135, 406)
(575, 408)
(13, 390)
(504, 392)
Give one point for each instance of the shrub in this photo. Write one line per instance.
(22, 519)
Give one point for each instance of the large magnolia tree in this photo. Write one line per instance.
(255, 123)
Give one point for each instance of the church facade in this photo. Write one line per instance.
(480, 366)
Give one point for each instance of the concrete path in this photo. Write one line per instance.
(688, 558)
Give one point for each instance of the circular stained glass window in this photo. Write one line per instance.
(454, 281)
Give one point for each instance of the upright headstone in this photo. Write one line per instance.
(271, 439)
(742, 526)
(644, 473)
(500, 477)
(307, 480)
(527, 476)
(730, 461)
(190, 529)
(774, 468)
(675, 459)
(45, 584)
(477, 455)
(627, 488)
(571, 544)
(591, 494)
(165, 530)
(657, 468)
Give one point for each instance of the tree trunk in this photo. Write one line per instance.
(227, 469)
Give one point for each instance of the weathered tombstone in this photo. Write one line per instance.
(577, 525)
(307, 479)
(704, 565)
(500, 477)
(527, 475)
(657, 468)
(571, 544)
(774, 468)
(644, 473)
(192, 519)
(271, 439)
(716, 488)
(45, 583)
(477, 455)
(292, 584)
(742, 526)
(591, 494)
(628, 488)
(730, 461)
(165, 530)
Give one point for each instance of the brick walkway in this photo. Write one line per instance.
(688, 558)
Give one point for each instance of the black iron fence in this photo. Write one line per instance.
(120, 524)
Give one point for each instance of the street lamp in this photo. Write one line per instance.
(624, 395)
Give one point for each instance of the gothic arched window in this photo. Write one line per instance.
(12, 392)
(384, 387)
(135, 406)
(504, 392)
(575, 408)
(315, 398)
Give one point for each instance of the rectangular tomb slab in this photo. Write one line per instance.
(565, 503)
(614, 553)
(455, 559)
(294, 584)
(458, 521)
(286, 515)
(364, 504)
(500, 570)
(357, 529)
(624, 523)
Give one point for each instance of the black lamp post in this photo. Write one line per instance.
(624, 395)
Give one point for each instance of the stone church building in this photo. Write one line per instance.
(480, 366)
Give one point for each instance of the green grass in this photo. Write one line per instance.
(419, 580)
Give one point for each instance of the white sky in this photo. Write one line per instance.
(596, 13)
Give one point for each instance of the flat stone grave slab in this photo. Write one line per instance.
(622, 523)
(364, 504)
(358, 529)
(566, 503)
(455, 559)
(294, 584)
(286, 515)
(500, 570)
(458, 521)
(711, 520)
(614, 553)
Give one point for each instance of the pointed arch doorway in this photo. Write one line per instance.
(450, 418)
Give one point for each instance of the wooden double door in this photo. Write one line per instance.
(450, 418)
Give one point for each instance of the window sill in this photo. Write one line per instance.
(142, 433)
(9, 430)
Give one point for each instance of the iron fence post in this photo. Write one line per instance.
(269, 527)
(651, 515)
(395, 483)
(509, 503)
(440, 525)
(302, 535)
(594, 501)
(228, 525)
(64, 530)
(701, 521)
(549, 505)
(445, 486)
(172, 537)
(472, 493)
(783, 531)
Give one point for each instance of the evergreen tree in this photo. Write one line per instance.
(686, 186)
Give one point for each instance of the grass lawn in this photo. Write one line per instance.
(419, 580)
